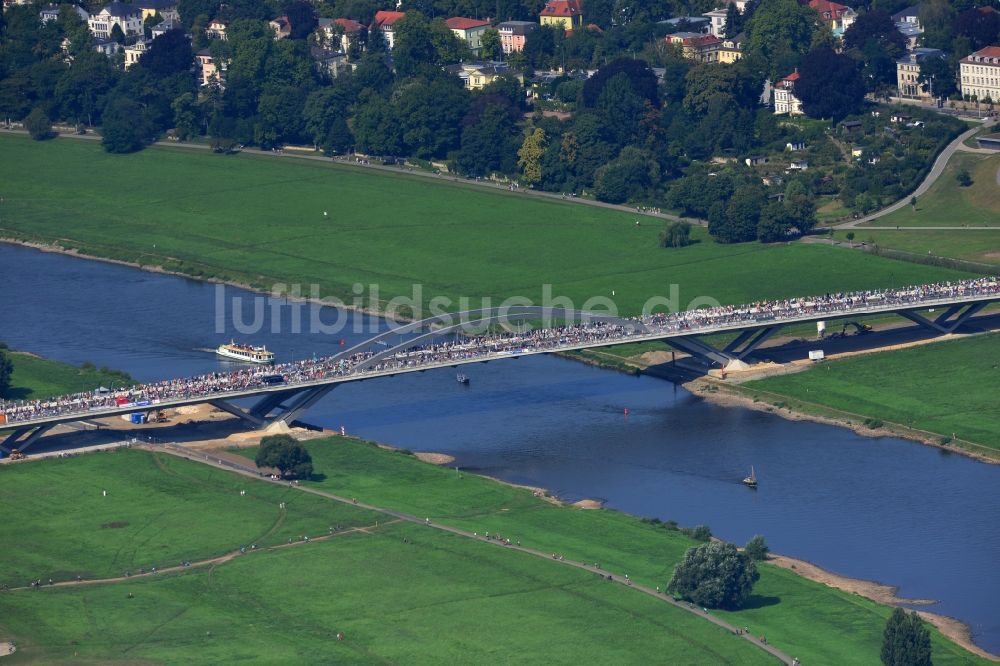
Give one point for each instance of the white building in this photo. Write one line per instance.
(785, 100)
(718, 21)
(126, 17)
(979, 74)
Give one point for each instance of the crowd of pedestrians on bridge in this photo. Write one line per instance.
(485, 347)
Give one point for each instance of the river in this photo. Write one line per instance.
(877, 509)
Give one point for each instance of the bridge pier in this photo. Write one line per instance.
(259, 415)
(737, 350)
(948, 321)
(14, 441)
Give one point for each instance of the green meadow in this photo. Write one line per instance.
(260, 220)
(36, 378)
(951, 388)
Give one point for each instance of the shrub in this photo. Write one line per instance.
(963, 178)
(676, 234)
(38, 125)
(756, 548)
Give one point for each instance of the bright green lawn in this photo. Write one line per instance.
(35, 378)
(979, 245)
(814, 622)
(948, 387)
(260, 220)
(159, 510)
(437, 599)
(947, 204)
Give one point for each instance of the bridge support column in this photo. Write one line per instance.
(737, 350)
(14, 441)
(948, 321)
(259, 416)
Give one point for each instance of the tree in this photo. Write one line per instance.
(287, 455)
(676, 234)
(412, 51)
(302, 18)
(639, 75)
(906, 641)
(38, 125)
(937, 76)
(116, 34)
(830, 85)
(779, 32)
(963, 177)
(736, 221)
(875, 26)
(490, 42)
(168, 54)
(937, 18)
(734, 22)
(6, 370)
(756, 548)
(979, 27)
(126, 127)
(186, 116)
(530, 155)
(714, 575)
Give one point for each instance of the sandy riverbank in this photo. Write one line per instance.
(955, 630)
(726, 395)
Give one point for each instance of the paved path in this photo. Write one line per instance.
(352, 162)
(936, 170)
(230, 464)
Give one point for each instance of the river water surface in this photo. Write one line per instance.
(885, 509)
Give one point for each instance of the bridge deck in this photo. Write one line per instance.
(624, 338)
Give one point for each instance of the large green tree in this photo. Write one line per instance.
(779, 32)
(285, 454)
(906, 641)
(714, 575)
(6, 370)
(830, 85)
(126, 126)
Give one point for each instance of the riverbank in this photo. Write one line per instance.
(954, 629)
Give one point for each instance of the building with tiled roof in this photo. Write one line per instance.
(383, 23)
(478, 75)
(513, 34)
(979, 74)
(565, 14)
(835, 15)
(697, 47)
(469, 30)
(785, 100)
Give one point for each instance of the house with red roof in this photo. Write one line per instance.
(469, 31)
(785, 100)
(979, 74)
(836, 16)
(383, 22)
(696, 46)
(565, 14)
(281, 26)
(339, 33)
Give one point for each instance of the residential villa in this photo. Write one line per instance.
(785, 100)
(513, 34)
(717, 18)
(107, 46)
(696, 47)
(478, 75)
(383, 23)
(979, 74)
(208, 73)
(347, 29)
(731, 49)
(216, 29)
(700, 24)
(134, 51)
(167, 9)
(908, 73)
(282, 28)
(159, 29)
(126, 17)
(565, 14)
(836, 16)
(469, 31)
(910, 15)
(329, 61)
(51, 12)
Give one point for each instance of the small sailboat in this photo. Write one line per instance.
(751, 481)
(462, 379)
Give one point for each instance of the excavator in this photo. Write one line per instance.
(860, 328)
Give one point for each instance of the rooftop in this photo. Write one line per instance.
(386, 18)
(562, 8)
(462, 23)
(120, 9)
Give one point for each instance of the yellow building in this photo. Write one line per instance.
(565, 14)
(478, 75)
(732, 49)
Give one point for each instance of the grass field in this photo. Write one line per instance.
(947, 204)
(258, 220)
(946, 388)
(979, 245)
(36, 378)
(401, 593)
(811, 621)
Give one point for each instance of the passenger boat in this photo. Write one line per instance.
(241, 352)
(462, 379)
(751, 481)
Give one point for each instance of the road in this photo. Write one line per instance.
(936, 170)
